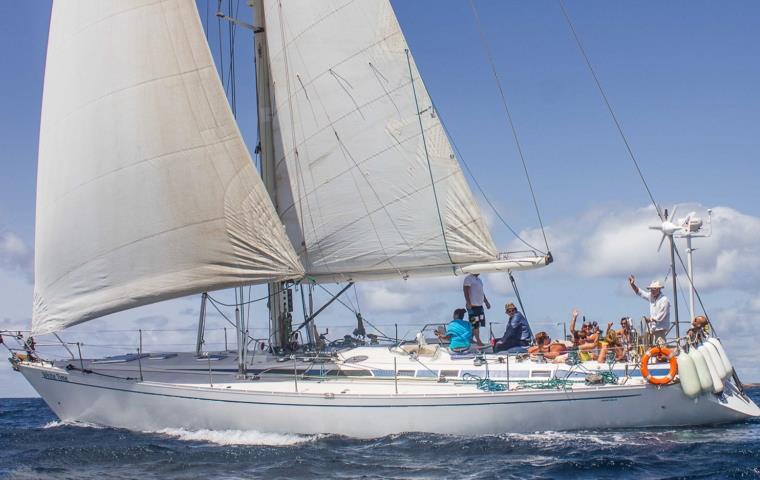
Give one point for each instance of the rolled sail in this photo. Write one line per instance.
(367, 183)
(145, 189)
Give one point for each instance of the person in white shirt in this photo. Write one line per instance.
(659, 308)
(475, 298)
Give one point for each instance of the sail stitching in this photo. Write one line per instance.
(297, 163)
(303, 195)
(380, 79)
(129, 87)
(347, 154)
(341, 62)
(343, 117)
(342, 81)
(362, 162)
(418, 244)
(343, 85)
(311, 26)
(401, 198)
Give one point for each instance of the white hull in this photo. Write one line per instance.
(323, 407)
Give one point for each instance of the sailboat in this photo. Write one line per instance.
(147, 192)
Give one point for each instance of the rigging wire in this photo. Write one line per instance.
(479, 186)
(205, 23)
(266, 297)
(511, 122)
(696, 292)
(630, 151)
(427, 157)
(609, 108)
(221, 47)
(355, 312)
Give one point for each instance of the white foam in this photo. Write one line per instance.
(62, 423)
(237, 437)
(552, 438)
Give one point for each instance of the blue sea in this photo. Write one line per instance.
(35, 445)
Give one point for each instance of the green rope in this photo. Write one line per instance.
(572, 357)
(551, 384)
(611, 357)
(484, 384)
(609, 377)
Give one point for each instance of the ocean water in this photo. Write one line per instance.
(34, 445)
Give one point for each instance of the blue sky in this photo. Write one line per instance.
(682, 77)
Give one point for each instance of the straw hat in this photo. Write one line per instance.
(655, 284)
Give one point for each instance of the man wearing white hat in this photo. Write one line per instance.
(659, 307)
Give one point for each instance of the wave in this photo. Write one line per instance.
(237, 437)
(70, 423)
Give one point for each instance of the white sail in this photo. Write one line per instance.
(145, 189)
(367, 182)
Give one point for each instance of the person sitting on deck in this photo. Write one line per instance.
(546, 348)
(517, 336)
(578, 337)
(611, 343)
(699, 327)
(587, 338)
(458, 332)
(591, 342)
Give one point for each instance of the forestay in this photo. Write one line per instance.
(367, 182)
(145, 188)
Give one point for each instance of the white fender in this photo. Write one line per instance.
(722, 352)
(717, 361)
(717, 383)
(687, 373)
(705, 380)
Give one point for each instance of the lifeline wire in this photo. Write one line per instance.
(509, 118)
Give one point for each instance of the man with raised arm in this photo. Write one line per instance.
(474, 299)
(659, 308)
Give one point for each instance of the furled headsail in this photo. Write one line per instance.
(145, 189)
(367, 183)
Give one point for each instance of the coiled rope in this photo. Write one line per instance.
(484, 384)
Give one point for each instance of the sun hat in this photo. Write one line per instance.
(655, 284)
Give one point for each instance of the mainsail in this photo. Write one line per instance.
(145, 189)
(367, 183)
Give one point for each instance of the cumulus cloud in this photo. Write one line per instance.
(412, 295)
(16, 255)
(737, 327)
(614, 242)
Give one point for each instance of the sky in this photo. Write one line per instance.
(681, 76)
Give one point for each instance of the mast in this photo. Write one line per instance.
(675, 283)
(278, 311)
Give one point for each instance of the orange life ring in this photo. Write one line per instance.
(657, 351)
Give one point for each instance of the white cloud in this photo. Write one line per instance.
(738, 329)
(412, 295)
(15, 254)
(614, 242)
